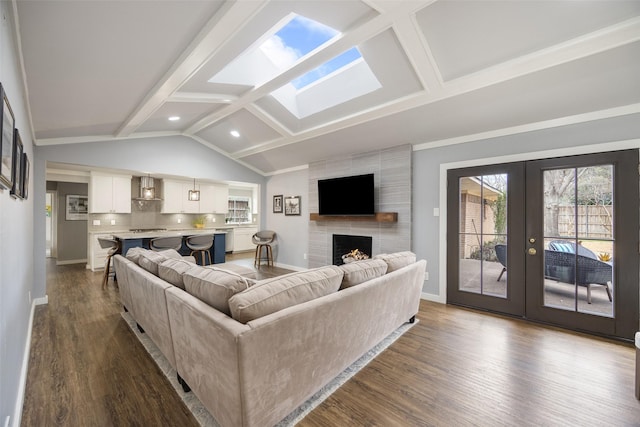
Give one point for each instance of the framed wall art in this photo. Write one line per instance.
(77, 207)
(292, 205)
(16, 189)
(25, 176)
(277, 204)
(7, 125)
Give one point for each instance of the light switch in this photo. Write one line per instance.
(113, 222)
(96, 222)
(436, 211)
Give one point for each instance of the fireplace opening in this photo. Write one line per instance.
(359, 247)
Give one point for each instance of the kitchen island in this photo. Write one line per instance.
(141, 239)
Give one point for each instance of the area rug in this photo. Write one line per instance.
(206, 419)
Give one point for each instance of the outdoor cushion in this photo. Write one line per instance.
(397, 260)
(360, 271)
(215, 287)
(271, 295)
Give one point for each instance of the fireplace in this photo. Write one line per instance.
(344, 244)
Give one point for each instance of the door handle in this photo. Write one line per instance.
(532, 251)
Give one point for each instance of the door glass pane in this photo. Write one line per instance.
(578, 224)
(483, 224)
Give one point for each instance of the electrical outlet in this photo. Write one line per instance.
(113, 222)
(304, 256)
(179, 220)
(96, 222)
(213, 219)
(426, 275)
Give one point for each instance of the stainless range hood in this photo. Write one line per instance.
(148, 190)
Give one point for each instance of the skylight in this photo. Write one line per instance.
(286, 44)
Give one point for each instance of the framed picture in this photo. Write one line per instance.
(277, 204)
(16, 189)
(77, 208)
(292, 205)
(7, 125)
(25, 176)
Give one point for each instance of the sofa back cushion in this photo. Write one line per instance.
(271, 295)
(214, 287)
(149, 260)
(172, 270)
(397, 260)
(357, 272)
(133, 254)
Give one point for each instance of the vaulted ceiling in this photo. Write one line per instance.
(449, 71)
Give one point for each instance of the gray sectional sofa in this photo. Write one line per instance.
(253, 351)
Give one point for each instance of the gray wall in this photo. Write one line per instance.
(72, 235)
(291, 230)
(16, 241)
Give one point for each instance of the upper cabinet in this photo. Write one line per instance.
(109, 193)
(213, 198)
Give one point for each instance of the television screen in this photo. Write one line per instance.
(349, 195)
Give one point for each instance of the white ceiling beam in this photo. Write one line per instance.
(269, 120)
(207, 98)
(316, 58)
(231, 17)
(417, 50)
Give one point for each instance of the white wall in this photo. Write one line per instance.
(16, 242)
(292, 231)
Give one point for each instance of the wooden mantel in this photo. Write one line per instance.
(378, 217)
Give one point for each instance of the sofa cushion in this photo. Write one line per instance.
(149, 260)
(357, 272)
(229, 267)
(397, 260)
(214, 287)
(172, 270)
(271, 295)
(133, 254)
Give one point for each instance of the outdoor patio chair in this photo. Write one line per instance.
(570, 247)
(501, 254)
(561, 266)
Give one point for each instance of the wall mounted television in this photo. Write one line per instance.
(349, 195)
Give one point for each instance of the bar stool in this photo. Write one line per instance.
(114, 247)
(201, 243)
(263, 239)
(163, 243)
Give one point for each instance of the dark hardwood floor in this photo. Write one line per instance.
(455, 367)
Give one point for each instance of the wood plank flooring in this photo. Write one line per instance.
(455, 367)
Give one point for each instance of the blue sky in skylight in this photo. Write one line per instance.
(299, 37)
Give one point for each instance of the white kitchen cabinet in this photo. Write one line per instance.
(242, 238)
(175, 197)
(213, 198)
(109, 193)
(97, 255)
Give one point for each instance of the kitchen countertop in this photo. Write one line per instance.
(123, 235)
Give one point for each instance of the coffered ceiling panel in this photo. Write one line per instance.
(421, 71)
(251, 132)
(468, 36)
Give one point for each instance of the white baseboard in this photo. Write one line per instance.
(72, 261)
(432, 297)
(22, 384)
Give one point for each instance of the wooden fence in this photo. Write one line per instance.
(594, 222)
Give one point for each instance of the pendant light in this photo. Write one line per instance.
(194, 195)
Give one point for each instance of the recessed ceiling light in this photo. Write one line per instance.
(235, 133)
(174, 118)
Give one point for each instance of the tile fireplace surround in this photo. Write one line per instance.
(392, 177)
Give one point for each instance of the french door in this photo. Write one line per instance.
(552, 240)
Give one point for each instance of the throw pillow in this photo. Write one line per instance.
(133, 254)
(360, 271)
(397, 260)
(271, 295)
(214, 287)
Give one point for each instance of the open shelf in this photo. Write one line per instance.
(378, 217)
